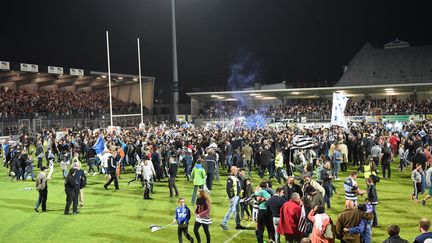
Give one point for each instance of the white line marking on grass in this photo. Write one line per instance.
(237, 234)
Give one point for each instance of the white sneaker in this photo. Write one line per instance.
(338, 179)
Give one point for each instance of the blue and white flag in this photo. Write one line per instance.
(99, 146)
(338, 108)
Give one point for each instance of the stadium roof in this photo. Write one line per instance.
(306, 93)
(20, 74)
(396, 63)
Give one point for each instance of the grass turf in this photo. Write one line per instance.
(123, 216)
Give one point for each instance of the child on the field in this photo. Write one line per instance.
(182, 216)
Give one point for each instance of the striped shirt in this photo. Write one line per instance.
(350, 186)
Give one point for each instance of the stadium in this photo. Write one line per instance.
(163, 156)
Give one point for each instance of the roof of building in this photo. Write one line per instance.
(396, 63)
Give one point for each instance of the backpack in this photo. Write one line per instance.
(328, 232)
(374, 178)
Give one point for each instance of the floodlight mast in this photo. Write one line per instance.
(175, 71)
(140, 84)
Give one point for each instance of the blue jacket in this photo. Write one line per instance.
(182, 215)
(364, 229)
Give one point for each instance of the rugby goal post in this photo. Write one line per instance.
(109, 83)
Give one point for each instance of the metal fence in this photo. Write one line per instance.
(37, 125)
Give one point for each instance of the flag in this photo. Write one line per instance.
(302, 142)
(338, 108)
(99, 146)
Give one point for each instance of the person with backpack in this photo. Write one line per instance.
(322, 226)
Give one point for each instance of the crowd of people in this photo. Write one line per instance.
(59, 103)
(305, 162)
(321, 109)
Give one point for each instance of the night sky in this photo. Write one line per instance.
(298, 41)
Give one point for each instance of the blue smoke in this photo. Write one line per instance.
(243, 73)
(255, 121)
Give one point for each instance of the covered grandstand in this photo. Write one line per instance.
(23, 78)
(397, 71)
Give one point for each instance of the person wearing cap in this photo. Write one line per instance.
(42, 188)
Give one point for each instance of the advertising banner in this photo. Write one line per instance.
(55, 70)
(4, 65)
(29, 67)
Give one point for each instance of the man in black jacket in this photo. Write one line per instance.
(233, 189)
(71, 189)
(290, 187)
(112, 165)
(266, 160)
(172, 173)
(39, 153)
(211, 167)
(327, 178)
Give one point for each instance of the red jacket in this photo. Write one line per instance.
(290, 213)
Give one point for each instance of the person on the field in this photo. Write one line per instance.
(42, 188)
(416, 177)
(327, 183)
(351, 188)
(211, 164)
(172, 173)
(81, 181)
(350, 217)
(182, 217)
(428, 184)
(393, 232)
(264, 215)
(274, 204)
(71, 189)
(290, 214)
(233, 189)
(202, 215)
(320, 221)
(113, 159)
(426, 235)
(198, 177)
(148, 172)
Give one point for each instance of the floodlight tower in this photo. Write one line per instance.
(175, 72)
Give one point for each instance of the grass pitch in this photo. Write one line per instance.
(123, 216)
